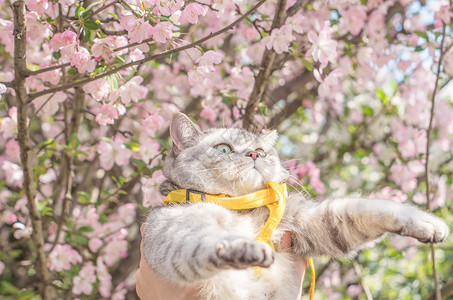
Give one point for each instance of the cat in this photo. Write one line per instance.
(208, 244)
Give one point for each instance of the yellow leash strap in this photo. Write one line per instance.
(313, 278)
(273, 196)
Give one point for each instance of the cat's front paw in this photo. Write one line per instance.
(241, 253)
(425, 227)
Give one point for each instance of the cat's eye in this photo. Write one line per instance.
(225, 148)
(261, 152)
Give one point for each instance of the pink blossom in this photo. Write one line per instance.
(168, 7)
(36, 29)
(98, 89)
(109, 112)
(114, 250)
(391, 194)
(103, 48)
(3, 89)
(22, 230)
(94, 244)
(353, 19)
(8, 126)
(279, 39)
(12, 151)
(411, 141)
(9, 217)
(243, 82)
(48, 177)
(406, 175)
(81, 59)
(199, 73)
(443, 15)
(323, 47)
(13, 173)
(299, 23)
(163, 31)
(105, 279)
(153, 123)
(209, 114)
(150, 189)
(49, 105)
(2, 267)
(114, 152)
(62, 39)
(132, 90)
(209, 58)
(138, 29)
(39, 6)
(354, 290)
(62, 256)
(53, 76)
(191, 12)
(149, 149)
(83, 282)
(120, 292)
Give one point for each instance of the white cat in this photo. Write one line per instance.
(208, 244)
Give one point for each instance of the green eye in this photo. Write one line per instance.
(225, 148)
(261, 152)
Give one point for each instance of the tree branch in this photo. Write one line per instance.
(438, 292)
(262, 79)
(26, 151)
(365, 287)
(149, 57)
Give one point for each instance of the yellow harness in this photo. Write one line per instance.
(273, 196)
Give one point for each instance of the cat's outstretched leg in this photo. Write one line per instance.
(192, 243)
(338, 227)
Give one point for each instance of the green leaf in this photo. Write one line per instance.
(262, 108)
(78, 239)
(86, 229)
(27, 295)
(78, 10)
(112, 14)
(307, 64)
(367, 110)
(84, 198)
(91, 25)
(227, 100)
(56, 55)
(380, 94)
(74, 142)
(422, 34)
(89, 8)
(86, 35)
(9, 288)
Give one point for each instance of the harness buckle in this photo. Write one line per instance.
(188, 191)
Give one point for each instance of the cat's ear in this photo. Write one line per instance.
(183, 131)
(269, 137)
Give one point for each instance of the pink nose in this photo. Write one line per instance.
(252, 154)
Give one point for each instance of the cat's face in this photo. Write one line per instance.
(221, 161)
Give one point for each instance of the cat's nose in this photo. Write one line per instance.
(252, 154)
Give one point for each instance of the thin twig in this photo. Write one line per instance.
(427, 164)
(365, 287)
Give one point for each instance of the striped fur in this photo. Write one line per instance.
(207, 244)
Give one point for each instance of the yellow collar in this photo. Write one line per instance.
(273, 196)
